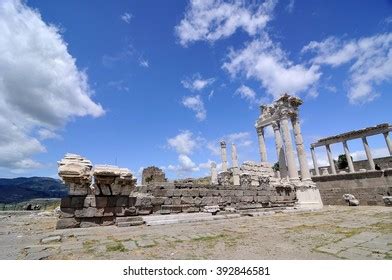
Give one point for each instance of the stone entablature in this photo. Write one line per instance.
(384, 129)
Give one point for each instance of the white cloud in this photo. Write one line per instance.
(185, 166)
(249, 95)
(266, 62)
(184, 142)
(40, 85)
(197, 83)
(370, 59)
(144, 63)
(196, 104)
(44, 133)
(211, 20)
(126, 17)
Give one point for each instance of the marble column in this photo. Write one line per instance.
(291, 166)
(280, 151)
(368, 153)
(303, 162)
(315, 164)
(262, 147)
(214, 174)
(389, 142)
(234, 159)
(223, 155)
(348, 157)
(330, 159)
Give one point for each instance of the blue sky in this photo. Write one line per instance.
(142, 83)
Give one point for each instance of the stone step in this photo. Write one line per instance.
(128, 219)
(188, 218)
(130, 224)
(178, 216)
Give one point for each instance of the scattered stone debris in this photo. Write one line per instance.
(51, 239)
(350, 199)
(387, 200)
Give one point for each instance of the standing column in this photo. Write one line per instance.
(214, 174)
(368, 153)
(262, 147)
(389, 143)
(348, 157)
(315, 164)
(223, 155)
(291, 166)
(234, 159)
(330, 159)
(280, 151)
(303, 163)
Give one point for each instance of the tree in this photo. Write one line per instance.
(342, 161)
(276, 166)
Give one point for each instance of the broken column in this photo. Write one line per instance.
(223, 156)
(235, 169)
(214, 174)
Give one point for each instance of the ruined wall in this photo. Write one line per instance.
(368, 187)
(176, 198)
(153, 174)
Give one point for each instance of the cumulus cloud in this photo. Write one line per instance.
(197, 83)
(196, 104)
(266, 62)
(290, 6)
(211, 20)
(184, 142)
(185, 166)
(370, 60)
(126, 17)
(41, 88)
(249, 95)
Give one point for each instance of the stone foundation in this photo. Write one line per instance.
(368, 187)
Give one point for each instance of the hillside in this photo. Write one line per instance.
(22, 189)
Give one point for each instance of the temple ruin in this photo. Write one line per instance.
(104, 195)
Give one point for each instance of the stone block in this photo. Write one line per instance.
(158, 200)
(105, 190)
(75, 189)
(143, 201)
(109, 211)
(203, 191)
(77, 201)
(101, 201)
(187, 200)
(111, 201)
(85, 212)
(176, 200)
(131, 211)
(122, 201)
(119, 211)
(107, 221)
(247, 199)
(239, 193)
(197, 201)
(65, 202)
(67, 212)
(168, 201)
(160, 192)
(250, 193)
(177, 192)
(132, 201)
(67, 223)
(89, 201)
(190, 209)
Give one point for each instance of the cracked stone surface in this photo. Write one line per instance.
(338, 232)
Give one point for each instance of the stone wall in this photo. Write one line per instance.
(368, 187)
(153, 174)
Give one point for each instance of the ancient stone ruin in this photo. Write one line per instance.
(105, 195)
(153, 174)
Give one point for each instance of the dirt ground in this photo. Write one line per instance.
(336, 232)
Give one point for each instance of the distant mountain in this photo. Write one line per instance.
(22, 189)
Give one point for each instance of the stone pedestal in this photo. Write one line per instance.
(308, 197)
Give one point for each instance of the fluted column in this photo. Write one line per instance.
(280, 151)
(368, 153)
(315, 164)
(348, 157)
(223, 155)
(330, 159)
(262, 147)
(291, 166)
(389, 142)
(303, 163)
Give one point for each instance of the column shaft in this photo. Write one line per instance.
(223, 155)
(280, 151)
(291, 166)
(303, 163)
(262, 147)
(368, 153)
(348, 157)
(330, 159)
(315, 164)
(389, 142)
